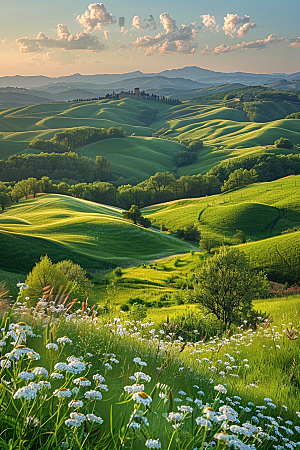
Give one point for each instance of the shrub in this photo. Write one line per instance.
(283, 143)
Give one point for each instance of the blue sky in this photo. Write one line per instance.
(236, 35)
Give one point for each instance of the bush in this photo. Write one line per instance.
(124, 307)
(136, 300)
(118, 272)
(283, 143)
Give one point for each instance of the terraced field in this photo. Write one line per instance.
(226, 132)
(90, 234)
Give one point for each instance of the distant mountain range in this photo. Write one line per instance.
(192, 73)
(187, 82)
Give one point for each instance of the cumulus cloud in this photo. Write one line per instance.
(65, 41)
(237, 26)
(258, 45)
(95, 17)
(174, 40)
(5, 42)
(136, 23)
(244, 29)
(106, 34)
(295, 43)
(208, 21)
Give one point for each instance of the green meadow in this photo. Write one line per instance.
(93, 235)
(226, 132)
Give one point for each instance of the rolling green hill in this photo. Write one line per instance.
(260, 210)
(226, 132)
(90, 234)
(135, 156)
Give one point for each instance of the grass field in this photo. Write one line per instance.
(226, 132)
(135, 156)
(262, 211)
(93, 235)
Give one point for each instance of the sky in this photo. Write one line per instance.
(63, 37)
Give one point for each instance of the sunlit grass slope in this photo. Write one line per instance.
(226, 132)
(260, 210)
(135, 156)
(90, 234)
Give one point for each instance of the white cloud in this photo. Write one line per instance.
(5, 42)
(95, 18)
(258, 45)
(244, 29)
(64, 41)
(231, 22)
(174, 40)
(295, 43)
(106, 34)
(136, 23)
(208, 21)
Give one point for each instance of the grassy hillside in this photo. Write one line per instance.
(90, 234)
(262, 211)
(135, 156)
(226, 132)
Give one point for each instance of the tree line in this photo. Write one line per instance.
(161, 187)
(73, 138)
(57, 166)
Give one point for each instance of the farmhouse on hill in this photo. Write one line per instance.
(133, 94)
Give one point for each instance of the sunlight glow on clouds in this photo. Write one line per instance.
(65, 40)
(230, 25)
(173, 39)
(258, 45)
(95, 18)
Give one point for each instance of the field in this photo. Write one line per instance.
(226, 132)
(101, 381)
(93, 235)
(262, 211)
(135, 156)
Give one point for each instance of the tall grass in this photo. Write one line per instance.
(152, 388)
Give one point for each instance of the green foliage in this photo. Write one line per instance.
(295, 115)
(239, 237)
(269, 167)
(82, 286)
(283, 143)
(57, 166)
(225, 286)
(195, 146)
(102, 163)
(184, 158)
(5, 196)
(118, 272)
(73, 138)
(134, 214)
(191, 232)
(43, 274)
(209, 242)
(148, 115)
(240, 178)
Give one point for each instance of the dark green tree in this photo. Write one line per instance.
(225, 285)
(283, 143)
